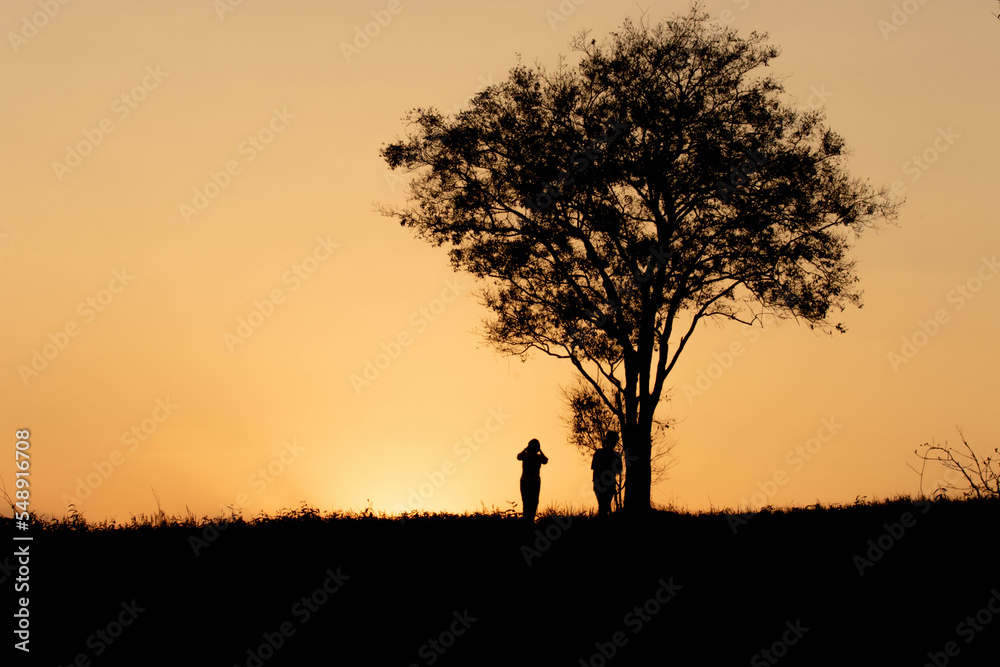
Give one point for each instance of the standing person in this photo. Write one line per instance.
(606, 465)
(532, 459)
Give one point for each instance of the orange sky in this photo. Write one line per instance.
(200, 281)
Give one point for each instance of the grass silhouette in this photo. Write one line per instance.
(553, 592)
(306, 514)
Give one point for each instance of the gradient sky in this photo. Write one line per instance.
(226, 154)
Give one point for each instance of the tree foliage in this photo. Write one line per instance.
(611, 206)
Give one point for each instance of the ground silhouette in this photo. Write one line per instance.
(880, 584)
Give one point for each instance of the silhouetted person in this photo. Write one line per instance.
(606, 465)
(532, 459)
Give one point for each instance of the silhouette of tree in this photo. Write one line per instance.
(611, 206)
(589, 419)
(977, 476)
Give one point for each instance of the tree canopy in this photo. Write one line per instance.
(611, 205)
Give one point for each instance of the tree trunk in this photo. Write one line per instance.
(638, 468)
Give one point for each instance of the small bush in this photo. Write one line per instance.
(971, 476)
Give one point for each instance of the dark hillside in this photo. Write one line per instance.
(676, 589)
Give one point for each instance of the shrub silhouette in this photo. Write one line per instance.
(979, 477)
